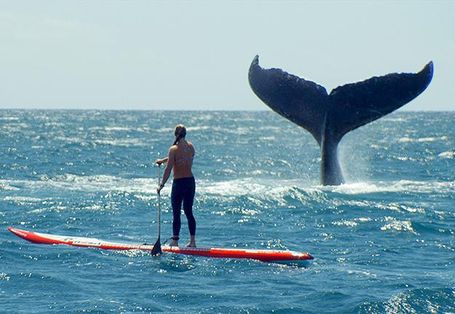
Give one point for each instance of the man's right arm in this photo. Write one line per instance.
(161, 161)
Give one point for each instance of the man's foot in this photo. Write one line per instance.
(174, 243)
(191, 244)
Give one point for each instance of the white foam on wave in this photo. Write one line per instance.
(54, 124)
(399, 303)
(400, 208)
(123, 142)
(405, 158)
(4, 185)
(16, 126)
(199, 128)
(69, 139)
(9, 118)
(345, 223)
(424, 186)
(4, 277)
(352, 223)
(395, 207)
(164, 130)
(362, 273)
(398, 225)
(50, 207)
(395, 119)
(103, 183)
(394, 186)
(447, 155)
(117, 128)
(112, 129)
(130, 253)
(22, 199)
(56, 205)
(422, 139)
(240, 211)
(232, 187)
(356, 188)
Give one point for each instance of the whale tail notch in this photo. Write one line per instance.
(328, 117)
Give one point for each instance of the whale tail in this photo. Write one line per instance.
(328, 117)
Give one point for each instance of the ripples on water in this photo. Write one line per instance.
(384, 242)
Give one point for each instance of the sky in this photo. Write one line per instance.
(195, 55)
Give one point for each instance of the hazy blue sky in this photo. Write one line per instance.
(196, 54)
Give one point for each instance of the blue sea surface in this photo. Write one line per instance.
(384, 242)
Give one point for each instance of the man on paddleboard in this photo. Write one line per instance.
(180, 159)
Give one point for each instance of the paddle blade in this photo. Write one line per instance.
(156, 250)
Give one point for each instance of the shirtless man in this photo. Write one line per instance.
(180, 158)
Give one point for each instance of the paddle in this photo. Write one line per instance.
(157, 247)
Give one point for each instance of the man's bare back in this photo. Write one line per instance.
(181, 156)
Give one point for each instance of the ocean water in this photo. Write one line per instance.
(383, 243)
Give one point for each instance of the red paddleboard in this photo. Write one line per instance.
(277, 256)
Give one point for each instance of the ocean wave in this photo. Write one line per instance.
(281, 190)
(421, 301)
(246, 200)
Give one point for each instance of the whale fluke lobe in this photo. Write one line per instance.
(372, 99)
(328, 117)
(294, 98)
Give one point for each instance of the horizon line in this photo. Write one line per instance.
(189, 110)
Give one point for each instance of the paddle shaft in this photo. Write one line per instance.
(159, 202)
(157, 247)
